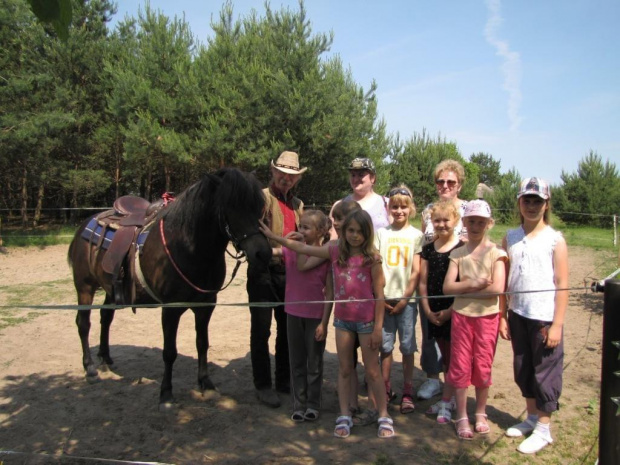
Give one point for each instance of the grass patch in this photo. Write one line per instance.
(14, 297)
(579, 236)
(37, 237)
(575, 442)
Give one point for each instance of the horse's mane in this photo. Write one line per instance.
(228, 189)
(240, 192)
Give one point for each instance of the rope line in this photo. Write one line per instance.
(75, 457)
(267, 304)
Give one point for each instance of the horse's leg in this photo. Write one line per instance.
(202, 316)
(82, 320)
(170, 318)
(107, 316)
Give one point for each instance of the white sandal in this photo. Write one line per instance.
(385, 424)
(343, 422)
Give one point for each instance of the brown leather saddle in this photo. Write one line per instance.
(117, 231)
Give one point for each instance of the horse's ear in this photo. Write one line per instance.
(254, 174)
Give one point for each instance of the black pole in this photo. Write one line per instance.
(609, 425)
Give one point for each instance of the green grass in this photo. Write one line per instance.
(580, 236)
(37, 237)
(25, 294)
(584, 236)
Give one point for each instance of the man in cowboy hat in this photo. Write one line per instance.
(282, 213)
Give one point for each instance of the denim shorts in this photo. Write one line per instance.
(354, 326)
(404, 324)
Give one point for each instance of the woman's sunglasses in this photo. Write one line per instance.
(449, 182)
(399, 190)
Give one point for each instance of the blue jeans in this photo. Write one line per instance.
(430, 359)
(404, 324)
(355, 326)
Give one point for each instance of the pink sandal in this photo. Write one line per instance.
(482, 427)
(464, 432)
(406, 404)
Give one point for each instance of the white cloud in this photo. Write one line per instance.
(511, 67)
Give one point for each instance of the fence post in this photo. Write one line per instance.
(609, 420)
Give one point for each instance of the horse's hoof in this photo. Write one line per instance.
(92, 379)
(209, 394)
(171, 406)
(206, 385)
(105, 367)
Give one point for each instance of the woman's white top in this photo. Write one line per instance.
(531, 269)
(376, 206)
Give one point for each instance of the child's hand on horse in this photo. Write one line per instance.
(295, 236)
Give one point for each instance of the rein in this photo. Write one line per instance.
(237, 242)
(180, 273)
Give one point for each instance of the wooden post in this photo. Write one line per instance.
(609, 421)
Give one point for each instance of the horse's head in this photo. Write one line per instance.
(240, 205)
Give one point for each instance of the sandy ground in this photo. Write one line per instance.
(50, 414)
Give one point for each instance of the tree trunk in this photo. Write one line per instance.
(74, 203)
(39, 207)
(7, 199)
(148, 187)
(24, 197)
(167, 175)
(117, 178)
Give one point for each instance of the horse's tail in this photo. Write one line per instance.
(70, 253)
(74, 243)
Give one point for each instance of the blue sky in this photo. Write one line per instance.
(536, 84)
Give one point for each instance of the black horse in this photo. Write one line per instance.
(182, 259)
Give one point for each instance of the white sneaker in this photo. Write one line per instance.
(434, 409)
(430, 388)
(520, 429)
(536, 442)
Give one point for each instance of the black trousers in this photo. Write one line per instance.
(268, 289)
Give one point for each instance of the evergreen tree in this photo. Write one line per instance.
(51, 99)
(413, 163)
(503, 201)
(488, 168)
(267, 90)
(150, 101)
(591, 195)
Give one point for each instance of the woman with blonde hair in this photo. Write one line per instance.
(449, 176)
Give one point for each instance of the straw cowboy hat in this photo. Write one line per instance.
(288, 162)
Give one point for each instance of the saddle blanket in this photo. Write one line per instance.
(93, 231)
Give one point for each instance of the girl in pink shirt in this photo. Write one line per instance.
(359, 309)
(304, 308)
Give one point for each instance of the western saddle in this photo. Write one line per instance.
(127, 218)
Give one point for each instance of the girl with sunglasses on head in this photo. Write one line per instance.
(399, 246)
